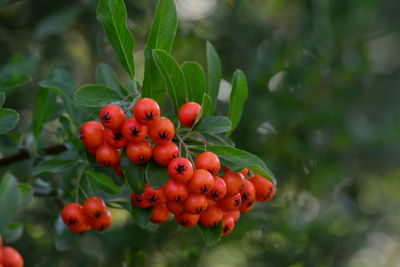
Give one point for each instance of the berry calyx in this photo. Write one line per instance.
(208, 161)
(188, 113)
(133, 131)
(139, 153)
(112, 116)
(162, 130)
(180, 169)
(164, 153)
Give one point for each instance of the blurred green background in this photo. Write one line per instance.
(323, 112)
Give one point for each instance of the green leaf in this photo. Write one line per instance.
(141, 216)
(8, 119)
(104, 182)
(161, 36)
(173, 77)
(196, 82)
(96, 96)
(11, 81)
(112, 15)
(211, 235)
(13, 232)
(106, 76)
(214, 74)
(44, 106)
(156, 174)
(205, 110)
(3, 3)
(8, 200)
(218, 139)
(2, 99)
(52, 166)
(236, 160)
(134, 174)
(25, 194)
(59, 81)
(215, 124)
(19, 65)
(237, 99)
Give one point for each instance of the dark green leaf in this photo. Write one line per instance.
(237, 159)
(104, 182)
(59, 81)
(161, 36)
(44, 106)
(134, 174)
(63, 238)
(173, 77)
(112, 15)
(196, 82)
(218, 139)
(205, 109)
(237, 99)
(2, 99)
(8, 119)
(11, 81)
(3, 3)
(215, 124)
(106, 76)
(214, 74)
(156, 174)
(19, 65)
(8, 200)
(211, 235)
(13, 232)
(25, 194)
(57, 22)
(141, 216)
(52, 166)
(96, 96)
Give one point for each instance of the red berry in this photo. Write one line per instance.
(265, 189)
(140, 200)
(228, 223)
(245, 172)
(139, 153)
(201, 182)
(175, 191)
(188, 113)
(208, 161)
(75, 218)
(133, 131)
(107, 156)
(162, 130)
(102, 223)
(91, 134)
(247, 206)
(159, 214)
(175, 207)
(187, 219)
(11, 258)
(212, 216)
(219, 189)
(146, 110)
(112, 116)
(163, 154)
(118, 170)
(114, 138)
(180, 169)
(249, 192)
(195, 203)
(234, 213)
(234, 182)
(231, 202)
(154, 196)
(94, 207)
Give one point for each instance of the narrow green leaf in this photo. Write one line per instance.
(59, 81)
(43, 108)
(11, 81)
(25, 194)
(211, 235)
(205, 110)
(8, 200)
(156, 174)
(161, 36)
(8, 119)
(196, 82)
(173, 77)
(237, 159)
(215, 124)
(214, 74)
(104, 182)
(19, 64)
(218, 139)
(134, 174)
(2, 99)
(96, 96)
(52, 166)
(141, 216)
(237, 99)
(106, 76)
(112, 15)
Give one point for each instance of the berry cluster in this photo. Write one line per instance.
(93, 214)
(10, 257)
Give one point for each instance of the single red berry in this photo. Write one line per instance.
(188, 113)
(180, 169)
(102, 223)
(231, 202)
(94, 207)
(163, 154)
(234, 213)
(139, 153)
(162, 130)
(187, 219)
(112, 116)
(211, 217)
(118, 170)
(218, 191)
(133, 131)
(91, 134)
(247, 206)
(175, 208)
(228, 223)
(249, 192)
(234, 182)
(175, 191)
(195, 203)
(154, 196)
(107, 156)
(146, 110)
(159, 214)
(75, 218)
(245, 172)
(140, 200)
(114, 138)
(265, 189)
(208, 161)
(202, 182)
(11, 258)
